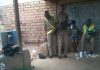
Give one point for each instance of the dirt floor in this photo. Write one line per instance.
(17, 61)
(69, 63)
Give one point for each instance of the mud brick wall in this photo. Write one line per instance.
(31, 18)
(8, 17)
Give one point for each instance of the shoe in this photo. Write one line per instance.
(65, 56)
(59, 57)
(50, 56)
(55, 55)
(91, 52)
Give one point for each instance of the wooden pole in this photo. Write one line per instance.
(17, 23)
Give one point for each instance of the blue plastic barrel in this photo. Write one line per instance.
(4, 38)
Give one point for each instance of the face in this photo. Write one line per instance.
(73, 24)
(47, 15)
(88, 22)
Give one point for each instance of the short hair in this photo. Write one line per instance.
(89, 19)
(46, 12)
(73, 22)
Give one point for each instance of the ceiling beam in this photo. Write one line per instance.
(73, 1)
(69, 1)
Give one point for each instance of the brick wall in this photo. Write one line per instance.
(31, 18)
(8, 17)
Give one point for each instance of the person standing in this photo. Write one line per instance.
(62, 34)
(50, 25)
(74, 35)
(88, 37)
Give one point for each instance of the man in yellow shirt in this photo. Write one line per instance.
(88, 37)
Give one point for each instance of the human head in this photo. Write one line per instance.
(73, 24)
(88, 22)
(62, 9)
(46, 14)
(62, 13)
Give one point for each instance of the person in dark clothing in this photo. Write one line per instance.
(8, 50)
(74, 35)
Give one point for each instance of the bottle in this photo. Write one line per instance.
(3, 66)
(81, 54)
(85, 54)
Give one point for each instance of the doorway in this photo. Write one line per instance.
(80, 12)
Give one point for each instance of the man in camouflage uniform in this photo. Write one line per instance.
(50, 25)
(63, 34)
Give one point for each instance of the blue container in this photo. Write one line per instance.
(8, 38)
(4, 38)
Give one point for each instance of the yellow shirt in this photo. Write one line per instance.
(87, 29)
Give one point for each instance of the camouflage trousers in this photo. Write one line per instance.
(52, 44)
(63, 41)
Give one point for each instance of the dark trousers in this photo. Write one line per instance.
(87, 44)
